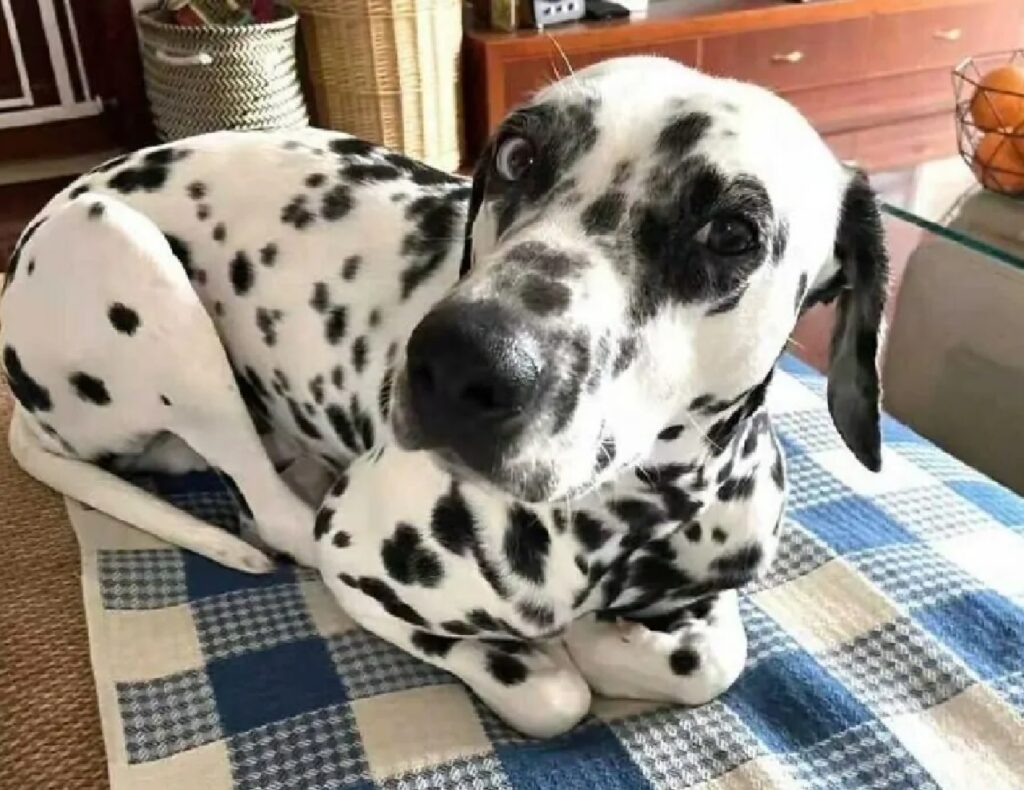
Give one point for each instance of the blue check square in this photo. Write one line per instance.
(768, 695)
(599, 760)
(853, 524)
(985, 629)
(264, 686)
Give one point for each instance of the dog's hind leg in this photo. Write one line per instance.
(107, 347)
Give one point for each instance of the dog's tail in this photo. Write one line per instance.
(108, 493)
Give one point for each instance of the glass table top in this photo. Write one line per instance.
(950, 204)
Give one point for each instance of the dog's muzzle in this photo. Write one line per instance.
(474, 375)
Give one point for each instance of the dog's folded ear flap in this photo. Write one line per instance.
(859, 284)
(476, 198)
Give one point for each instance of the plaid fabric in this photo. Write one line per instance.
(886, 650)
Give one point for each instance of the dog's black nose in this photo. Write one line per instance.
(474, 371)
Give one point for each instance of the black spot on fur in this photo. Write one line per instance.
(374, 318)
(537, 614)
(459, 628)
(89, 388)
(320, 299)
(422, 174)
(604, 214)
(266, 322)
(671, 433)
(526, 544)
(738, 567)
(451, 522)
(123, 318)
(361, 422)
(801, 289)
(544, 297)
(589, 531)
(718, 535)
(684, 661)
(340, 486)
(350, 268)
(335, 324)
(548, 261)
(341, 539)
(736, 488)
(268, 254)
(196, 190)
(382, 592)
(384, 392)
(367, 173)
(351, 146)
(780, 238)
(360, 351)
(693, 532)
(165, 400)
(220, 232)
(627, 353)
(778, 472)
(202, 212)
(408, 560)
(303, 423)
(507, 670)
(218, 307)
(110, 164)
(297, 214)
(316, 388)
(150, 174)
(338, 377)
(28, 392)
(322, 525)
(683, 133)
(242, 273)
(436, 224)
(315, 180)
(181, 251)
(342, 426)
(96, 210)
(78, 191)
(432, 644)
(605, 455)
(337, 203)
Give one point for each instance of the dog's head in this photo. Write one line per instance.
(641, 240)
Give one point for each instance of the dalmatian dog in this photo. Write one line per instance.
(530, 406)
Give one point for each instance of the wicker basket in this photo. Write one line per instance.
(388, 71)
(201, 79)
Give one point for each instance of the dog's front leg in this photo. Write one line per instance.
(688, 656)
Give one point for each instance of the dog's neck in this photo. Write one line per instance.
(702, 449)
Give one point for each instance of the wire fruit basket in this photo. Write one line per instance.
(990, 119)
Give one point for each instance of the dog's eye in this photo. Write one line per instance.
(514, 158)
(729, 235)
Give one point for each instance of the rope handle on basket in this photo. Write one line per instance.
(171, 59)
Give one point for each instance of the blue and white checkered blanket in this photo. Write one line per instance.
(886, 651)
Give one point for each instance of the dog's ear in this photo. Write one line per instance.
(858, 283)
(476, 197)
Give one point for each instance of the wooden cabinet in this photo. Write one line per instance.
(70, 78)
(872, 75)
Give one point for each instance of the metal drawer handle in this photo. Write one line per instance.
(788, 57)
(198, 59)
(949, 34)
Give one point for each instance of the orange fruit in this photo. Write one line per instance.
(999, 164)
(998, 103)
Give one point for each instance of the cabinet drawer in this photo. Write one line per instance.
(793, 57)
(523, 77)
(941, 37)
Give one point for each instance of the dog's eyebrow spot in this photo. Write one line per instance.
(548, 260)
(681, 134)
(604, 214)
(544, 297)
